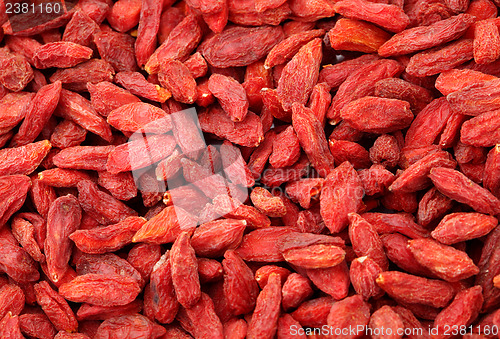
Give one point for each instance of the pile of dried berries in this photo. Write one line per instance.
(350, 187)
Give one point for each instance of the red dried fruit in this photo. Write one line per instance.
(432, 207)
(412, 289)
(458, 187)
(397, 251)
(67, 335)
(77, 78)
(14, 107)
(477, 98)
(350, 313)
(439, 59)
(377, 115)
(37, 324)
(117, 49)
(106, 97)
(342, 193)
(486, 42)
(231, 95)
(295, 291)
(296, 240)
(181, 41)
(80, 29)
(319, 100)
(400, 201)
(426, 36)
(165, 227)
(394, 88)
(300, 75)
(16, 71)
(360, 83)
(109, 238)
(386, 318)
(427, 125)
(363, 274)
(289, 328)
(235, 167)
(398, 222)
(365, 240)
(305, 191)
(375, 180)
(121, 186)
(207, 185)
(97, 10)
(210, 270)
(286, 49)
(165, 305)
(124, 15)
(344, 150)
(137, 84)
(106, 264)
(197, 65)
(55, 307)
(24, 232)
(93, 312)
(134, 324)
(67, 134)
(264, 321)
(228, 49)
(185, 271)
(23, 45)
(230, 208)
(457, 79)
(312, 138)
(143, 257)
(201, 320)
(332, 280)
(240, 286)
(9, 327)
(286, 149)
(268, 204)
(140, 152)
(76, 108)
(83, 157)
(335, 75)
(11, 300)
(149, 23)
(139, 117)
(63, 219)
(101, 206)
(315, 256)
(415, 177)
(101, 289)
(462, 311)
(313, 313)
(213, 238)
(42, 196)
(491, 179)
(23, 159)
(37, 114)
(245, 13)
(62, 54)
(247, 133)
(444, 261)
(385, 150)
(457, 227)
(482, 130)
(355, 35)
(177, 78)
